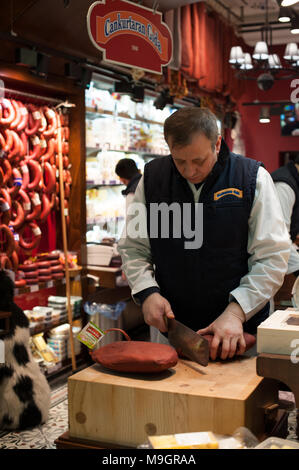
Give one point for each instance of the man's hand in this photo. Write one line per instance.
(154, 308)
(228, 331)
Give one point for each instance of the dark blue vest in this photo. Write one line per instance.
(197, 282)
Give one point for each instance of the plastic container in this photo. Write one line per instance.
(46, 311)
(112, 311)
(277, 443)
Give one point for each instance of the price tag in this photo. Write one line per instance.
(34, 288)
(50, 284)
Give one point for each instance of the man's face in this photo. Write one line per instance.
(196, 160)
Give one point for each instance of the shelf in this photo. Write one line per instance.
(103, 113)
(48, 328)
(66, 365)
(95, 186)
(145, 152)
(74, 274)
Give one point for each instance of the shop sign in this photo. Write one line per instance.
(130, 34)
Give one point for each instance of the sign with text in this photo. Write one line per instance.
(130, 34)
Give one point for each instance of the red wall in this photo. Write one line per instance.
(263, 142)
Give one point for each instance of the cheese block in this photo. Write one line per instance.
(192, 440)
(279, 334)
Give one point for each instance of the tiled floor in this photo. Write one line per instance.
(42, 437)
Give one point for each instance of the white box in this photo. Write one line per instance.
(276, 334)
(99, 255)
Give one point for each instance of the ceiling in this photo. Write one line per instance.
(248, 15)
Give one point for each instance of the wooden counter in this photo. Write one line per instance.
(124, 409)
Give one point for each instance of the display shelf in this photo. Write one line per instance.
(94, 113)
(66, 366)
(48, 328)
(145, 152)
(100, 185)
(74, 274)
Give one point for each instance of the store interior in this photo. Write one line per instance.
(67, 117)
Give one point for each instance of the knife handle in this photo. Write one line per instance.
(165, 320)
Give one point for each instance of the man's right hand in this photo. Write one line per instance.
(154, 308)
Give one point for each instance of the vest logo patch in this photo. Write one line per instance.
(228, 192)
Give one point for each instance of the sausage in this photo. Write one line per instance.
(25, 201)
(18, 115)
(24, 141)
(17, 183)
(44, 272)
(43, 145)
(35, 240)
(2, 144)
(36, 171)
(5, 262)
(7, 170)
(67, 190)
(26, 175)
(44, 122)
(50, 178)
(35, 153)
(11, 114)
(46, 207)
(1, 176)
(52, 121)
(6, 196)
(5, 213)
(57, 275)
(66, 132)
(17, 215)
(35, 214)
(20, 283)
(32, 281)
(10, 241)
(34, 120)
(24, 117)
(15, 152)
(28, 267)
(50, 151)
(44, 278)
(58, 268)
(14, 260)
(8, 141)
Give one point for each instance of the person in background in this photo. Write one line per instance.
(128, 173)
(286, 180)
(222, 288)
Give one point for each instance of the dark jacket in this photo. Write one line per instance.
(197, 282)
(290, 175)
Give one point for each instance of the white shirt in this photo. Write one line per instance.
(287, 198)
(268, 245)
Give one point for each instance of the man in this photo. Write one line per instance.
(286, 181)
(225, 285)
(128, 173)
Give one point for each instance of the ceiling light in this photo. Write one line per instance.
(247, 65)
(265, 115)
(288, 3)
(236, 56)
(261, 51)
(284, 15)
(291, 52)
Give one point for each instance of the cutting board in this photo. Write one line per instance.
(124, 409)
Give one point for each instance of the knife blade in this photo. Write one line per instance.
(191, 344)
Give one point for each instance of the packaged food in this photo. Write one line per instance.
(44, 349)
(90, 335)
(194, 440)
(277, 443)
(43, 310)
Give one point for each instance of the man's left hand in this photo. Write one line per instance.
(228, 332)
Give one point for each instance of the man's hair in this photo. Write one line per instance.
(184, 123)
(126, 168)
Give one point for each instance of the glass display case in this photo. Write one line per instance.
(116, 128)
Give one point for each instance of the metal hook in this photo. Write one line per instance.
(155, 6)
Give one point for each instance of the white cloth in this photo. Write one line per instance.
(268, 246)
(287, 198)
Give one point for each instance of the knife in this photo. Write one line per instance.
(192, 345)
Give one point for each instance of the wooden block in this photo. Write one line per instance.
(124, 409)
(276, 334)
